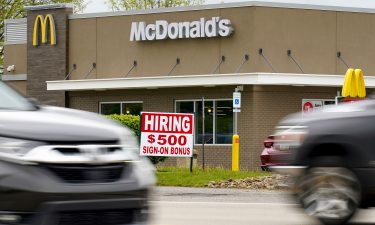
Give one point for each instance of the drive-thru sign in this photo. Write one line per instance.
(167, 134)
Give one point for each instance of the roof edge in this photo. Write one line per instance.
(272, 4)
(49, 6)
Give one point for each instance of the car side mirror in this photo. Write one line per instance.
(34, 101)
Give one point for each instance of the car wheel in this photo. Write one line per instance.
(331, 194)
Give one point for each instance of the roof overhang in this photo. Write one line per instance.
(285, 79)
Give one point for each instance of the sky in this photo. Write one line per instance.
(94, 6)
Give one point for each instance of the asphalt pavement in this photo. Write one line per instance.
(206, 206)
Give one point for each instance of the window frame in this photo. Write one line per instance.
(117, 102)
(214, 100)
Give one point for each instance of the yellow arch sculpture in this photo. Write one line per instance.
(354, 84)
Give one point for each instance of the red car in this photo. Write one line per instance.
(271, 156)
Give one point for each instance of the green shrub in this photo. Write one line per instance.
(133, 122)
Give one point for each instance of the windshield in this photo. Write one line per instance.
(11, 100)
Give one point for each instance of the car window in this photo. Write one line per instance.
(11, 100)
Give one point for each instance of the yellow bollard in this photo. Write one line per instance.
(235, 152)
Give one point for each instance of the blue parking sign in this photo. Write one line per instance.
(236, 100)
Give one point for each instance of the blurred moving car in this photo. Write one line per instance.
(333, 159)
(271, 156)
(68, 167)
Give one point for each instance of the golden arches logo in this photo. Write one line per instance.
(44, 25)
(354, 84)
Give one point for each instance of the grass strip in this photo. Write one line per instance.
(175, 176)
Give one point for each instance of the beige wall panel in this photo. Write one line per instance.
(16, 55)
(116, 52)
(20, 86)
(355, 40)
(240, 42)
(82, 47)
(114, 59)
(310, 34)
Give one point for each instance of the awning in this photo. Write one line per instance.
(285, 79)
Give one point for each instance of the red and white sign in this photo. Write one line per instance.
(309, 105)
(167, 134)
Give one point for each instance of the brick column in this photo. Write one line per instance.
(47, 62)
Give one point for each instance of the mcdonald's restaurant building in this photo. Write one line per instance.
(281, 54)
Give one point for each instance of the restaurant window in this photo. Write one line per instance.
(218, 119)
(224, 122)
(129, 108)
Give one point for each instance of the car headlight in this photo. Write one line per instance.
(17, 147)
(289, 137)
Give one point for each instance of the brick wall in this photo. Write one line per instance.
(47, 62)
(161, 100)
(262, 108)
(270, 105)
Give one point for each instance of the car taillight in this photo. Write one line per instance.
(289, 137)
(268, 143)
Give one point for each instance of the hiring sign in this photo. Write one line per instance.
(167, 134)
